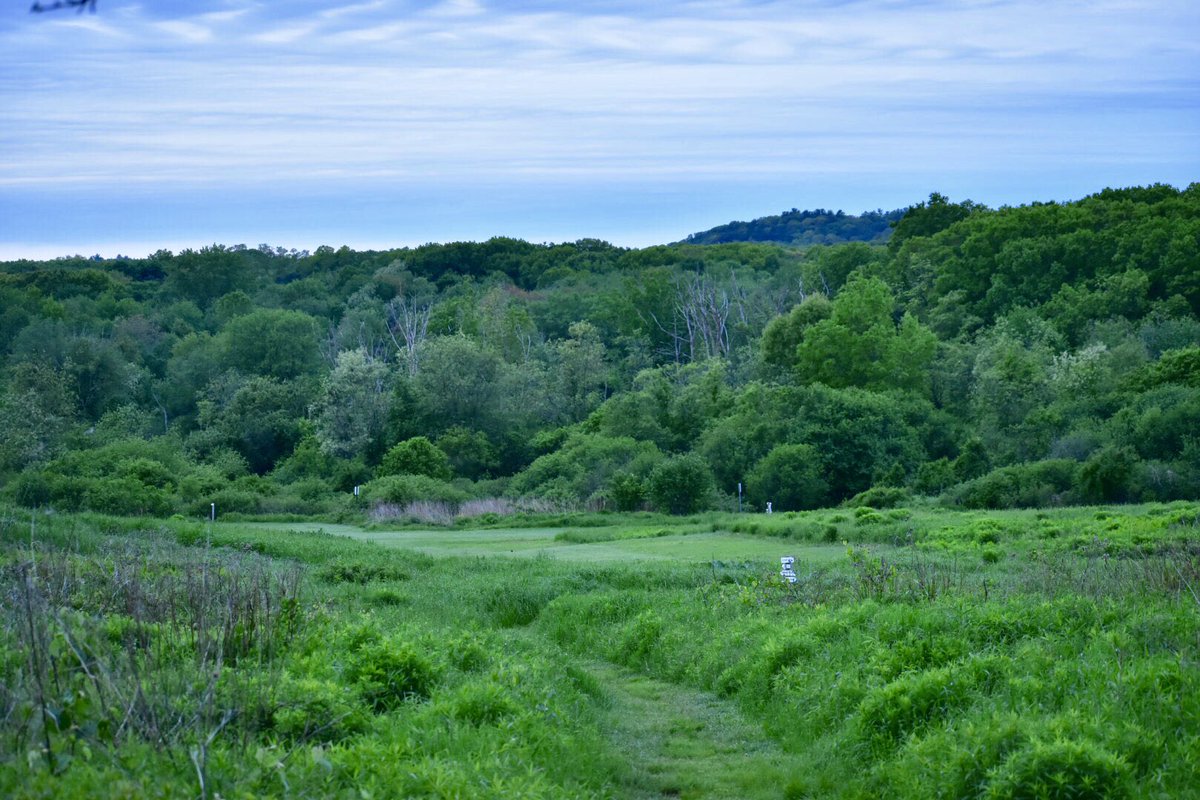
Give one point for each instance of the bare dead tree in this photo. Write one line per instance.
(704, 309)
(410, 319)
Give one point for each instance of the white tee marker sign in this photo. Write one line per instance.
(787, 569)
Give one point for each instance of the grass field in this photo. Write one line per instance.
(921, 653)
(613, 546)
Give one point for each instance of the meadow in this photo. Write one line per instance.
(922, 652)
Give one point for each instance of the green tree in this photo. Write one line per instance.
(860, 344)
(262, 418)
(790, 477)
(681, 485)
(352, 408)
(783, 334)
(203, 276)
(416, 456)
(471, 453)
(272, 342)
(581, 375)
(928, 218)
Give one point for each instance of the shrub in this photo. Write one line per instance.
(478, 703)
(681, 485)
(313, 710)
(1061, 769)
(514, 605)
(1107, 475)
(389, 673)
(790, 477)
(627, 491)
(416, 456)
(405, 489)
(126, 496)
(879, 497)
(30, 489)
(1039, 483)
(913, 701)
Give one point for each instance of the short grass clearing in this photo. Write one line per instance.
(685, 743)
(541, 542)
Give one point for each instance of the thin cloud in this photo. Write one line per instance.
(389, 93)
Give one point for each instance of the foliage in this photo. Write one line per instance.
(416, 456)
(958, 359)
(789, 477)
(681, 485)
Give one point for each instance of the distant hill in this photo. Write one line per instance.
(796, 227)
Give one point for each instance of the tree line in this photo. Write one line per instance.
(1021, 356)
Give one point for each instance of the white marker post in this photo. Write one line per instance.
(212, 514)
(787, 569)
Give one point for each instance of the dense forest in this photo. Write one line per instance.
(795, 227)
(1037, 355)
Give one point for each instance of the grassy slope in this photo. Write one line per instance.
(1045, 654)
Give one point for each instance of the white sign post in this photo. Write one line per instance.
(787, 569)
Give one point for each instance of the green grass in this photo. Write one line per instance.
(922, 653)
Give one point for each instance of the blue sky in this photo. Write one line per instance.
(389, 122)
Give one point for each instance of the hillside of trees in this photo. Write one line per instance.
(1038, 355)
(804, 228)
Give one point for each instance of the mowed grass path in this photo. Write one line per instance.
(540, 542)
(684, 743)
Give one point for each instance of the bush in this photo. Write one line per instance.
(313, 710)
(1061, 769)
(416, 456)
(30, 489)
(681, 485)
(514, 605)
(1040, 483)
(879, 497)
(790, 477)
(126, 496)
(1107, 475)
(913, 701)
(628, 492)
(389, 673)
(405, 489)
(478, 703)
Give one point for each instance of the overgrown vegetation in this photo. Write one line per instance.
(1045, 654)
(1044, 355)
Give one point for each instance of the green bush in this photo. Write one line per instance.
(478, 703)
(312, 710)
(1107, 475)
(416, 456)
(126, 497)
(627, 491)
(1061, 770)
(388, 673)
(790, 477)
(879, 497)
(1032, 485)
(30, 489)
(512, 605)
(682, 485)
(405, 489)
(913, 701)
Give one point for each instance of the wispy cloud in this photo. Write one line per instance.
(390, 93)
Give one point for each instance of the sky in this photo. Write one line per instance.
(387, 123)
